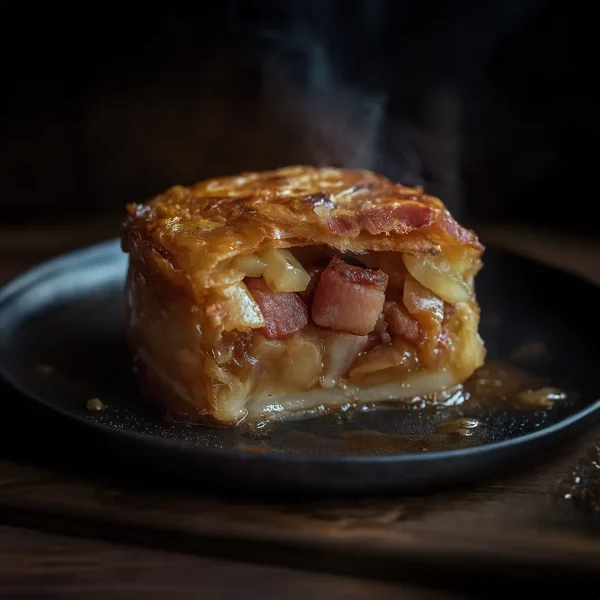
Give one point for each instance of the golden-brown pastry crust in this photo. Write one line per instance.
(189, 231)
(181, 244)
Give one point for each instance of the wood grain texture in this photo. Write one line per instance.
(516, 528)
(517, 522)
(39, 565)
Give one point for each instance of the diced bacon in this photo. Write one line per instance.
(343, 225)
(337, 222)
(401, 323)
(284, 312)
(402, 218)
(349, 298)
(457, 232)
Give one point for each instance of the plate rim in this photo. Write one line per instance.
(46, 269)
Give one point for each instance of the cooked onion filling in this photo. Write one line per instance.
(307, 327)
(323, 320)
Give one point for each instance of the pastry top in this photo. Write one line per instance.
(190, 233)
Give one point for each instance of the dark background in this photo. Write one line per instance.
(491, 105)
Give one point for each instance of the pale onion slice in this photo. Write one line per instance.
(284, 273)
(380, 358)
(243, 312)
(249, 264)
(267, 350)
(415, 385)
(421, 302)
(341, 350)
(302, 365)
(437, 275)
(232, 395)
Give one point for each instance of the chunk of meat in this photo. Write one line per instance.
(401, 323)
(458, 233)
(391, 264)
(338, 222)
(349, 298)
(402, 218)
(284, 312)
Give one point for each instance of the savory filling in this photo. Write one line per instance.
(313, 318)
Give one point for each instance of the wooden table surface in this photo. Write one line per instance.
(66, 534)
(42, 565)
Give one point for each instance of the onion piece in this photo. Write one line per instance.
(341, 350)
(422, 303)
(231, 394)
(249, 264)
(243, 312)
(302, 366)
(283, 272)
(380, 358)
(436, 274)
(267, 350)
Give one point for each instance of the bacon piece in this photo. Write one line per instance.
(401, 323)
(349, 298)
(402, 218)
(457, 233)
(284, 312)
(343, 225)
(338, 222)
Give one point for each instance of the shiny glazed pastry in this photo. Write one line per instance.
(299, 289)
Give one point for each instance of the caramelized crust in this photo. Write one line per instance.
(189, 233)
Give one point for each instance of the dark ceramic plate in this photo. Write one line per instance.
(61, 328)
